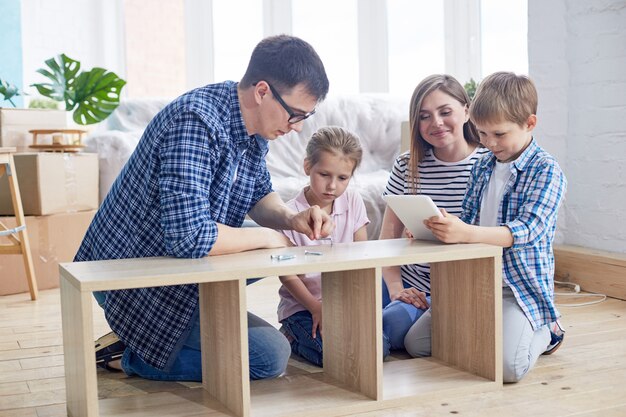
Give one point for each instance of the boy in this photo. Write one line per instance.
(512, 199)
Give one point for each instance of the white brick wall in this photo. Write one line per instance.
(577, 57)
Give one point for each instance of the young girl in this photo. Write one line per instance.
(332, 155)
(444, 147)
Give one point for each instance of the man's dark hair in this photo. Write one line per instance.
(285, 61)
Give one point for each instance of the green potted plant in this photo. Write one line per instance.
(470, 88)
(91, 95)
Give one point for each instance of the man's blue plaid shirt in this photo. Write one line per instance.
(194, 166)
(529, 209)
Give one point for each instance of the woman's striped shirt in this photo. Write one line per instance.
(445, 183)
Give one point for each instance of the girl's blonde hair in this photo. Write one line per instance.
(504, 96)
(335, 140)
(449, 85)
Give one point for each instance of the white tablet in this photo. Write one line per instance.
(412, 210)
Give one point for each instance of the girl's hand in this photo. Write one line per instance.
(448, 228)
(408, 233)
(316, 313)
(412, 296)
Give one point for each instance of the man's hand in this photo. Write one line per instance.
(239, 239)
(314, 222)
(449, 228)
(412, 296)
(276, 239)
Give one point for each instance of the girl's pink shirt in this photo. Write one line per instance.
(349, 215)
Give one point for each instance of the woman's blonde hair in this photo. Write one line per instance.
(335, 140)
(504, 96)
(450, 86)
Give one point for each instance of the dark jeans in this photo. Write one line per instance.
(297, 328)
(267, 349)
(268, 352)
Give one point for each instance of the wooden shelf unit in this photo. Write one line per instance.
(467, 330)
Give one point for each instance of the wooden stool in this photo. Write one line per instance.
(75, 144)
(18, 236)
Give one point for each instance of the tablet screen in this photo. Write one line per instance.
(412, 210)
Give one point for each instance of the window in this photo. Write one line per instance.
(237, 28)
(504, 32)
(416, 43)
(330, 26)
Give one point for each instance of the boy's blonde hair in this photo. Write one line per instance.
(504, 96)
(335, 140)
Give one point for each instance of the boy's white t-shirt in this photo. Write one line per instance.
(493, 194)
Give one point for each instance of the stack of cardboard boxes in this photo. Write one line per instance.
(59, 195)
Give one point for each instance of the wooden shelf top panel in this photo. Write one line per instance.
(150, 272)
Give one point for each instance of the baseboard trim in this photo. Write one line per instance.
(594, 270)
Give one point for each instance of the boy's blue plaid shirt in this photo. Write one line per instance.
(194, 166)
(529, 208)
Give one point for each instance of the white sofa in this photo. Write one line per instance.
(376, 119)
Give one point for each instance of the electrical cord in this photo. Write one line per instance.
(576, 294)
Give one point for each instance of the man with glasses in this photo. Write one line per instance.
(197, 171)
(294, 117)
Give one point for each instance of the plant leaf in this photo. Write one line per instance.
(62, 78)
(93, 95)
(96, 93)
(8, 91)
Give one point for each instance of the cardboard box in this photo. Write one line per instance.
(53, 239)
(15, 124)
(53, 183)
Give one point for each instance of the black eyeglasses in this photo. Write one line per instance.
(293, 116)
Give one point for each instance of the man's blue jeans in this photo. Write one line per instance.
(398, 317)
(268, 352)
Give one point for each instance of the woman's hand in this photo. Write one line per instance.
(412, 296)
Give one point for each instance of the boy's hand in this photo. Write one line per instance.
(412, 296)
(313, 222)
(448, 228)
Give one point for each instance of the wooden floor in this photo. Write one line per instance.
(586, 377)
